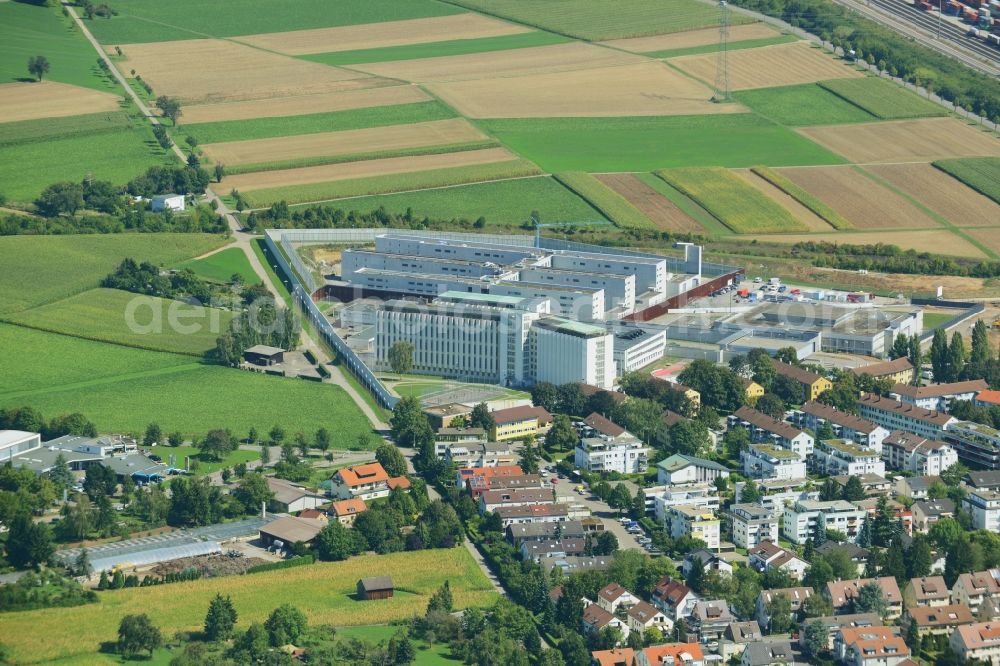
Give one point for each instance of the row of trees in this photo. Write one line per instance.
(950, 362)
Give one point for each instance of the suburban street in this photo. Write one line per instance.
(565, 493)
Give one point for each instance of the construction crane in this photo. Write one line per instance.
(539, 226)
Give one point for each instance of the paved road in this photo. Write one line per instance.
(599, 509)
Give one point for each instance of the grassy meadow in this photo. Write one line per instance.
(802, 105)
(222, 265)
(324, 592)
(647, 144)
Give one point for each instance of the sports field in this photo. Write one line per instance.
(325, 592)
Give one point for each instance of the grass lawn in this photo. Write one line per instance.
(27, 30)
(324, 592)
(334, 121)
(438, 49)
(156, 21)
(133, 320)
(733, 46)
(221, 266)
(802, 105)
(933, 320)
(980, 173)
(205, 466)
(42, 269)
(605, 19)
(502, 203)
(883, 99)
(647, 144)
(28, 168)
(417, 390)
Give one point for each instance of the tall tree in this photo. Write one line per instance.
(482, 418)
(29, 544)
(391, 459)
(410, 427)
(562, 436)
(61, 474)
(939, 356)
(220, 619)
(169, 107)
(285, 625)
(956, 357)
(401, 357)
(136, 633)
(870, 600)
(38, 66)
(779, 610)
(154, 435)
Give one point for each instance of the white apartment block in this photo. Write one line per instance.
(984, 507)
(765, 461)
(895, 415)
(562, 351)
(661, 499)
(696, 521)
(598, 454)
(751, 524)
(836, 457)
(636, 347)
(975, 443)
(806, 518)
(921, 456)
(844, 424)
(776, 493)
(938, 396)
(763, 428)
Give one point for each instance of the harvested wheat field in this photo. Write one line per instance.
(922, 140)
(499, 64)
(304, 104)
(365, 169)
(647, 89)
(349, 142)
(381, 35)
(937, 241)
(948, 197)
(663, 212)
(692, 38)
(864, 202)
(808, 218)
(48, 99)
(215, 70)
(769, 66)
(988, 237)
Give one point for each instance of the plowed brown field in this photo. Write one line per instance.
(860, 199)
(691, 38)
(810, 219)
(769, 66)
(988, 237)
(938, 241)
(48, 99)
(663, 212)
(950, 198)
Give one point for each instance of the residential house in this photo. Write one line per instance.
(983, 480)
(710, 619)
(519, 423)
(832, 457)
(491, 500)
(807, 518)
(928, 512)
(766, 461)
(899, 370)
(486, 475)
(795, 595)
(979, 642)
(619, 656)
(770, 653)
(479, 454)
(596, 618)
(752, 524)
(937, 620)
(768, 555)
(984, 507)
(698, 522)
(813, 385)
(682, 469)
(975, 589)
(566, 547)
(894, 415)
(621, 455)
(911, 453)
(977, 444)
(988, 398)
(671, 654)
(842, 594)
(874, 485)
(613, 596)
(369, 481)
(290, 498)
(710, 561)
(533, 513)
(573, 564)
(926, 591)
(938, 396)
(871, 646)
(693, 397)
(477, 485)
(643, 616)
(674, 598)
(743, 632)
(570, 529)
(460, 434)
(915, 487)
(834, 623)
(751, 390)
(599, 426)
(845, 425)
(763, 428)
(346, 511)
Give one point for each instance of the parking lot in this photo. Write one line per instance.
(566, 492)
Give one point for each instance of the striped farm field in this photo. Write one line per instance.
(349, 142)
(803, 214)
(660, 210)
(323, 591)
(732, 200)
(883, 99)
(948, 197)
(445, 176)
(804, 104)
(451, 47)
(981, 174)
(49, 99)
(602, 197)
(859, 198)
(692, 38)
(49, 129)
(826, 213)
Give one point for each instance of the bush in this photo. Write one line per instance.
(297, 561)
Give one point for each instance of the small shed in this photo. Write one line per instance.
(263, 355)
(376, 587)
(164, 202)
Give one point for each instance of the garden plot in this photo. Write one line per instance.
(769, 66)
(48, 99)
(692, 38)
(949, 198)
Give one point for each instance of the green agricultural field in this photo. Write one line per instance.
(334, 121)
(437, 49)
(26, 169)
(27, 30)
(502, 203)
(802, 105)
(697, 213)
(221, 266)
(615, 207)
(123, 390)
(733, 46)
(980, 173)
(324, 592)
(883, 99)
(804, 197)
(735, 202)
(132, 320)
(42, 269)
(392, 183)
(647, 144)
(48, 129)
(155, 21)
(605, 19)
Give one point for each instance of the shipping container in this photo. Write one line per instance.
(993, 40)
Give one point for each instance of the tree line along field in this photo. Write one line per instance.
(324, 592)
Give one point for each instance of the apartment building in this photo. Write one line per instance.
(776, 493)
(763, 428)
(663, 498)
(366, 482)
(845, 425)
(938, 620)
(491, 500)
(834, 457)
(695, 521)
(899, 370)
(871, 646)
(842, 594)
(926, 591)
(984, 507)
(769, 555)
(921, 456)
(766, 461)
(979, 642)
(895, 415)
(975, 443)
(806, 518)
(752, 524)
(813, 385)
(519, 423)
(938, 396)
